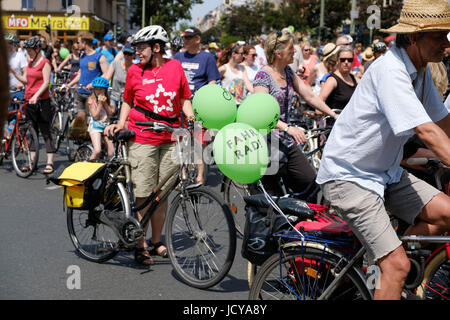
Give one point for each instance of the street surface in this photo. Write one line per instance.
(38, 260)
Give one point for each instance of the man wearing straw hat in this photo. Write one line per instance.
(360, 171)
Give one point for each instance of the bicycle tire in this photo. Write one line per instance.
(436, 280)
(233, 194)
(83, 153)
(306, 272)
(83, 230)
(22, 149)
(56, 129)
(212, 240)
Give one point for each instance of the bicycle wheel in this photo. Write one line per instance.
(201, 238)
(70, 144)
(25, 151)
(83, 153)
(56, 129)
(233, 193)
(436, 280)
(92, 239)
(305, 276)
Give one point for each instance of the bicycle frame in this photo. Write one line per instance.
(19, 112)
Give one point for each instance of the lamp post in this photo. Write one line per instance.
(322, 12)
(143, 13)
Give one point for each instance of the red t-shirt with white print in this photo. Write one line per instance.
(159, 90)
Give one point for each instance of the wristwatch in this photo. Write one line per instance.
(286, 128)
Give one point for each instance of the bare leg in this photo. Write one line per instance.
(394, 270)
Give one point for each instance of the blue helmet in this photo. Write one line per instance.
(100, 82)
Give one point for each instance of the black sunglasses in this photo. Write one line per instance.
(345, 59)
(279, 34)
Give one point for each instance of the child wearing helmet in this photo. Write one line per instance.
(100, 108)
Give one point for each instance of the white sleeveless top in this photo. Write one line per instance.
(234, 82)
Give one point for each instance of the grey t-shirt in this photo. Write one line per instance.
(118, 83)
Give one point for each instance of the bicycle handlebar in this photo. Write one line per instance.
(156, 126)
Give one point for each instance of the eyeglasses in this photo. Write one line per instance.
(140, 48)
(342, 60)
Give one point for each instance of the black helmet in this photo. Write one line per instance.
(177, 43)
(32, 42)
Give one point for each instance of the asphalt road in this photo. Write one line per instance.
(38, 260)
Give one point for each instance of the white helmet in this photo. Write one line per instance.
(150, 34)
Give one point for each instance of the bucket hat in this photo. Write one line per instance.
(422, 16)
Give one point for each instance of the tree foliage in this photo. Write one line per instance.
(165, 13)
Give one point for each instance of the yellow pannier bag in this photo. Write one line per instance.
(82, 184)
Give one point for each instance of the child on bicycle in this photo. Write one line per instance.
(100, 109)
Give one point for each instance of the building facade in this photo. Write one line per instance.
(64, 18)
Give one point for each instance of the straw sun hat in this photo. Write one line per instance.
(422, 16)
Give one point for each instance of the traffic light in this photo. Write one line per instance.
(48, 29)
(118, 31)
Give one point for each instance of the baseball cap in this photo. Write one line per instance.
(108, 37)
(191, 31)
(128, 48)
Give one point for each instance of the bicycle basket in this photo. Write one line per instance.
(82, 184)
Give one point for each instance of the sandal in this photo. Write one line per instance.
(154, 251)
(142, 258)
(49, 169)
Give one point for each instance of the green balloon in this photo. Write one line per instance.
(214, 106)
(241, 153)
(259, 110)
(63, 53)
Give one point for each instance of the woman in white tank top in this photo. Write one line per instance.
(234, 75)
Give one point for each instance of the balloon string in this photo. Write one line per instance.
(275, 206)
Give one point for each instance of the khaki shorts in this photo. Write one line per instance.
(149, 165)
(366, 213)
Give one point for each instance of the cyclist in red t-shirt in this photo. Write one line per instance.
(39, 109)
(156, 89)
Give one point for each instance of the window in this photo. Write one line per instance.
(66, 3)
(27, 4)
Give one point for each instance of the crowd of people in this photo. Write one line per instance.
(153, 78)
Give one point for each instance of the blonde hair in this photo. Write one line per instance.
(276, 41)
(439, 75)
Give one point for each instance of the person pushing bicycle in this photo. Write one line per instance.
(360, 171)
(156, 89)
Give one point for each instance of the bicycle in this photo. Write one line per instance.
(328, 264)
(21, 142)
(235, 192)
(200, 234)
(62, 119)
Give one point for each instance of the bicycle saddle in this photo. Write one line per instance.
(290, 206)
(124, 135)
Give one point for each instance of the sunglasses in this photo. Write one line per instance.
(128, 53)
(254, 55)
(342, 60)
(306, 50)
(279, 34)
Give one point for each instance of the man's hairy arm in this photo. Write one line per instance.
(436, 139)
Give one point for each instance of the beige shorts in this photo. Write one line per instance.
(367, 214)
(149, 165)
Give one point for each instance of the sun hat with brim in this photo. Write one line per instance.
(368, 54)
(329, 50)
(422, 16)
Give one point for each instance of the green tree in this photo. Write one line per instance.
(165, 13)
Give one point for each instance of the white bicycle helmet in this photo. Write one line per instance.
(151, 34)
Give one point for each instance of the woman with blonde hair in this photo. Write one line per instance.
(280, 81)
(309, 63)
